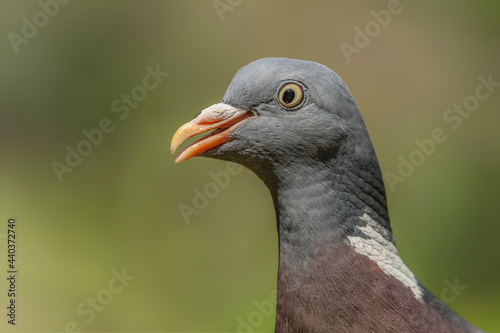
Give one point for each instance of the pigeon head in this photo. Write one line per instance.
(279, 113)
(296, 125)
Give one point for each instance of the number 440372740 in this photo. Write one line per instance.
(11, 243)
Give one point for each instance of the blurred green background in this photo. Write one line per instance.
(119, 207)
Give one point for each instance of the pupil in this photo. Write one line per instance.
(288, 96)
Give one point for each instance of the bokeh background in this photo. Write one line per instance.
(118, 210)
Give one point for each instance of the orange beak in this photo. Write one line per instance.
(222, 118)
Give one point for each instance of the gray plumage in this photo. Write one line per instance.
(319, 164)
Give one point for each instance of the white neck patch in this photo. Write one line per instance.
(384, 254)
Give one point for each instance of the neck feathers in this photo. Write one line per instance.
(339, 269)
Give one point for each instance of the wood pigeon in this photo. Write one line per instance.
(295, 124)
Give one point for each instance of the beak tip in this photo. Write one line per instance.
(177, 139)
(180, 158)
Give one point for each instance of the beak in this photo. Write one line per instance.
(221, 117)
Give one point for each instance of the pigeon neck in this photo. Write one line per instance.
(338, 264)
(330, 222)
(313, 202)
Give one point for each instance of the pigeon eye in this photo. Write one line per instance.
(290, 95)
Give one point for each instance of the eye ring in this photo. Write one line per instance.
(290, 95)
